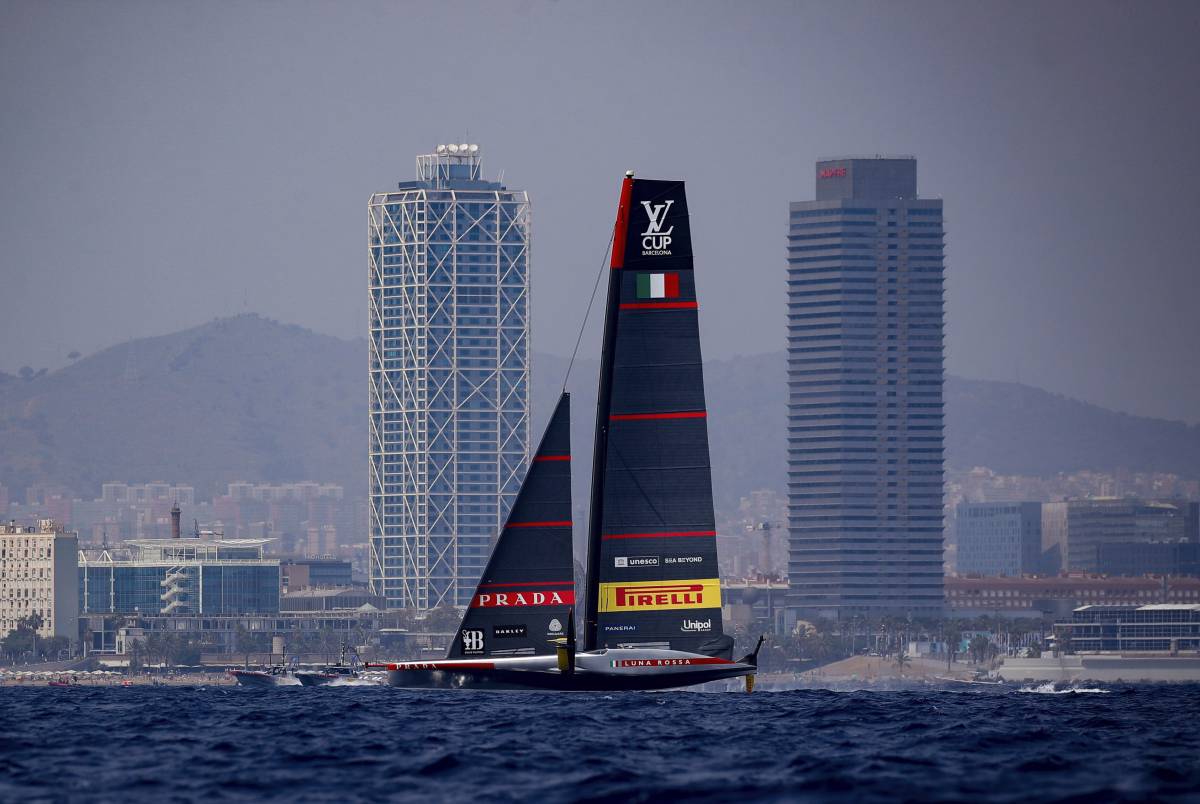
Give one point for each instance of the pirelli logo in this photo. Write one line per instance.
(661, 595)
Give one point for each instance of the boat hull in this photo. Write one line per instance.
(258, 678)
(315, 679)
(601, 671)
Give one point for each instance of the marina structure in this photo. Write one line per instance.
(1157, 627)
(449, 375)
(38, 577)
(865, 357)
(1155, 642)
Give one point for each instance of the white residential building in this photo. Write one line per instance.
(39, 574)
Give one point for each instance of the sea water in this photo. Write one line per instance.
(371, 743)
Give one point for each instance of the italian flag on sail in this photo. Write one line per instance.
(658, 286)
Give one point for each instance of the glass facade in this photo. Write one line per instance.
(449, 376)
(1158, 628)
(181, 577)
(998, 538)
(865, 319)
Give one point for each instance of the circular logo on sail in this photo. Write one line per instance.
(555, 626)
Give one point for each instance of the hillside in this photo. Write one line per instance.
(248, 398)
(237, 398)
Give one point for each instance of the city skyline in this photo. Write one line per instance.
(743, 153)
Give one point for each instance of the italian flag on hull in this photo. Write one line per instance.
(658, 286)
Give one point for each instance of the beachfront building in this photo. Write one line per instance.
(38, 577)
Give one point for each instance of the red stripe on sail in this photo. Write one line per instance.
(664, 535)
(528, 583)
(632, 417)
(541, 458)
(660, 306)
(618, 247)
(564, 523)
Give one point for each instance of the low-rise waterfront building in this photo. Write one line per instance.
(38, 577)
(1132, 643)
(194, 576)
(1163, 627)
(221, 634)
(1035, 596)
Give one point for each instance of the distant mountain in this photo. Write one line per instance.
(237, 398)
(1015, 429)
(247, 398)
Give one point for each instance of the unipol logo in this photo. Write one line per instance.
(655, 241)
(696, 626)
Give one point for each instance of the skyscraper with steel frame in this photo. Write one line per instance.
(449, 368)
(865, 321)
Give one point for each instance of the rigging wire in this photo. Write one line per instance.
(591, 301)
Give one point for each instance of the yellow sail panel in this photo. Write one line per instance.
(703, 593)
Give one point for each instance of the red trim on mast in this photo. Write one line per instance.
(618, 248)
(663, 535)
(542, 458)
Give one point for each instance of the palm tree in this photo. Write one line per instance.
(953, 636)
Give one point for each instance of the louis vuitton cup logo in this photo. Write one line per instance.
(655, 241)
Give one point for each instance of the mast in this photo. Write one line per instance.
(603, 407)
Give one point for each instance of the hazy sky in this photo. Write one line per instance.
(164, 163)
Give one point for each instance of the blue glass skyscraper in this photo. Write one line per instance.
(449, 369)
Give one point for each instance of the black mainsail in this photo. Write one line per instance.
(652, 569)
(527, 589)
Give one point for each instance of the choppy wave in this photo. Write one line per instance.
(374, 744)
(1050, 688)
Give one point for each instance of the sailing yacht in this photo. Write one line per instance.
(652, 612)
